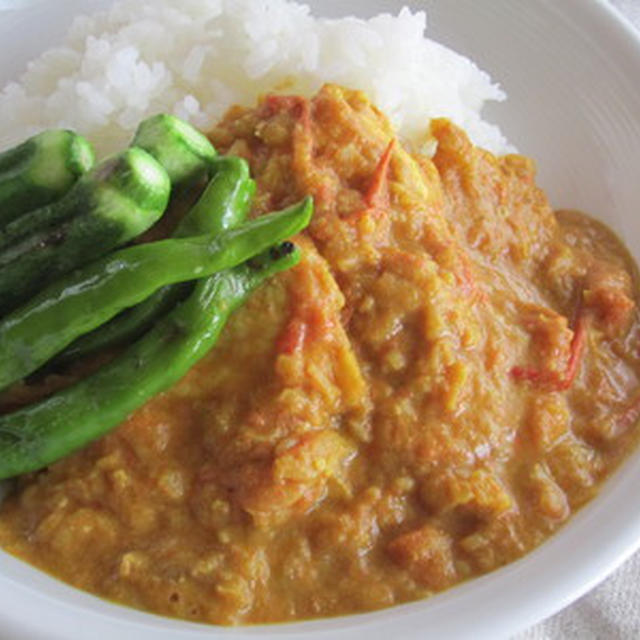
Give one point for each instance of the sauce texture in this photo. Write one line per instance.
(448, 375)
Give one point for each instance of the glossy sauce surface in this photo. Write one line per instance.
(447, 376)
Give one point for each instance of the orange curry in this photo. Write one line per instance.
(447, 376)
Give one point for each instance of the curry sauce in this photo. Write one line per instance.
(449, 374)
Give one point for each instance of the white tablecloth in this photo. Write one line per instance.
(612, 610)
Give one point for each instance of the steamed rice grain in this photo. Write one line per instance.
(197, 59)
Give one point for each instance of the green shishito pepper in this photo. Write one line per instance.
(87, 298)
(121, 198)
(224, 204)
(41, 170)
(185, 154)
(34, 437)
(181, 149)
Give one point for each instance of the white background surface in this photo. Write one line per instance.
(573, 78)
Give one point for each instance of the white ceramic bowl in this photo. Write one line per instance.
(572, 72)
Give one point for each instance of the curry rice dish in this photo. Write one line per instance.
(446, 377)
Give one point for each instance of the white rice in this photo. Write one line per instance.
(198, 57)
